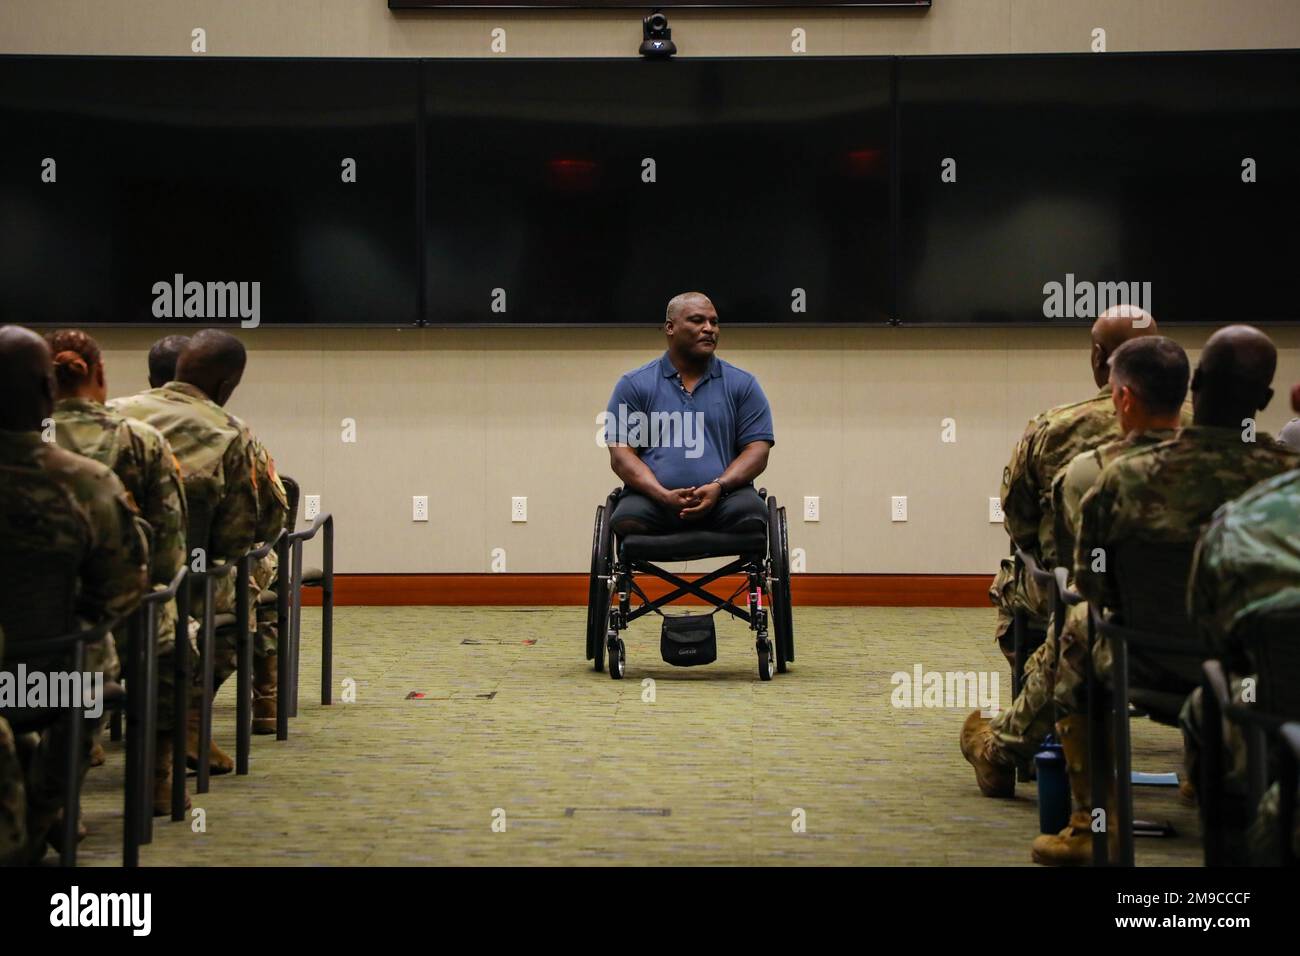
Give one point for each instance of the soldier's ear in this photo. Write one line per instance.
(1267, 397)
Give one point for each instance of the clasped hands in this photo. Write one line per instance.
(691, 504)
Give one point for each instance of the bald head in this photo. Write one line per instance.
(1233, 378)
(691, 325)
(213, 362)
(163, 356)
(26, 379)
(680, 304)
(1114, 327)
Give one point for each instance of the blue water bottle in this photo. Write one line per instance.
(1053, 787)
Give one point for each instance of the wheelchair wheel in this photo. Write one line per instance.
(766, 655)
(598, 591)
(779, 606)
(617, 656)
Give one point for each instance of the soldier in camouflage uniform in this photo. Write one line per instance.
(272, 499)
(1247, 561)
(140, 456)
(163, 355)
(55, 506)
(1164, 494)
(220, 472)
(1050, 440)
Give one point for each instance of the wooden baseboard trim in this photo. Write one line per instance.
(808, 590)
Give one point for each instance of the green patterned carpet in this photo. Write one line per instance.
(582, 770)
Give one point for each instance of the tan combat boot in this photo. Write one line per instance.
(162, 780)
(265, 674)
(219, 761)
(995, 770)
(1073, 845)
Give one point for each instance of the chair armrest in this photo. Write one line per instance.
(317, 523)
(1070, 596)
(1146, 640)
(1031, 565)
(1291, 737)
(1216, 682)
(1252, 715)
(269, 546)
(16, 651)
(169, 592)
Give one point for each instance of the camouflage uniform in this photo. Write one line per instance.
(1247, 560)
(54, 503)
(1022, 726)
(13, 796)
(1163, 494)
(217, 464)
(1049, 441)
(273, 509)
(140, 456)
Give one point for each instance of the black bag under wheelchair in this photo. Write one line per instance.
(762, 557)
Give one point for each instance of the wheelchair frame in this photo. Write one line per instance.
(611, 578)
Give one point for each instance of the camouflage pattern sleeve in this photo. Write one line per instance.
(1204, 583)
(1020, 505)
(162, 504)
(1247, 560)
(1062, 528)
(234, 519)
(1095, 513)
(272, 500)
(114, 570)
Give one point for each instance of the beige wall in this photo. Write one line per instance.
(472, 418)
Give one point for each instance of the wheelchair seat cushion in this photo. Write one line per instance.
(693, 545)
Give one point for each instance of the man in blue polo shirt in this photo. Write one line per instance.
(688, 433)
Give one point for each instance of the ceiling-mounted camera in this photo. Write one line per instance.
(657, 37)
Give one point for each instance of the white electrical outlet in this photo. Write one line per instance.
(312, 508)
(995, 511)
(420, 508)
(898, 508)
(518, 509)
(812, 508)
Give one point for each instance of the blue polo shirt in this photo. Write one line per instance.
(689, 438)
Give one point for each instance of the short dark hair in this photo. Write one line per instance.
(211, 352)
(163, 355)
(1156, 369)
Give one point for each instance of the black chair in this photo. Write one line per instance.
(141, 671)
(66, 652)
(244, 616)
(322, 578)
(1151, 623)
(1271, 641)
(1028, 640)
(1288, 780)
(1025, 639)
(763, 557)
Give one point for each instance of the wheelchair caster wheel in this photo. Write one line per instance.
(766, 661)
(617, 658)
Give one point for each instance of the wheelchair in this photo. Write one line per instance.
(763, 557)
